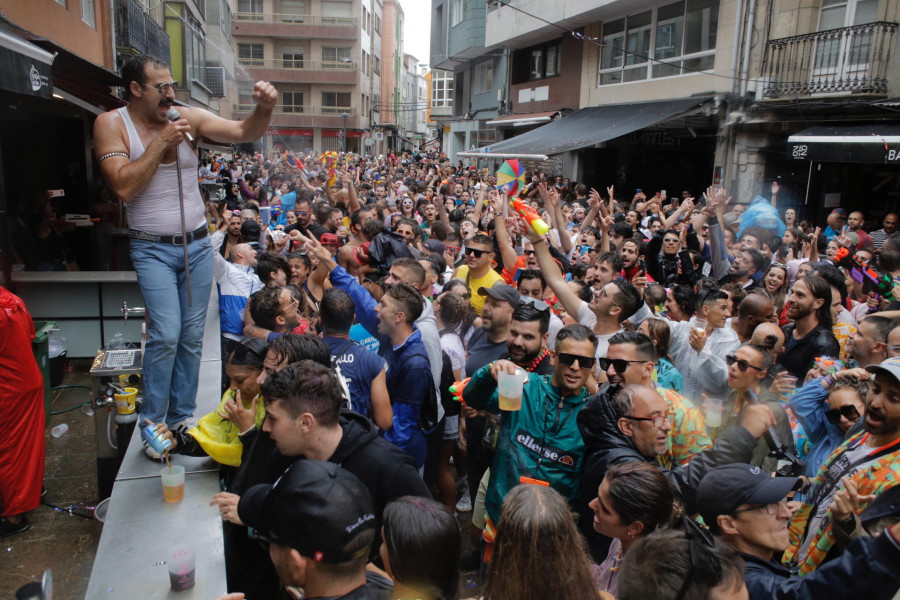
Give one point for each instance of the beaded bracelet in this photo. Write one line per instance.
(111, 154)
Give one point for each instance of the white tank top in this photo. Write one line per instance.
(155, 208)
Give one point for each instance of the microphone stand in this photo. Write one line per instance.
(184, 241)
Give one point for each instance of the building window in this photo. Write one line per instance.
(225, 17)
(293, 11)
(458, 10)
(245, 96)
(87, 13)
(441, 89)
(337, 11)
(535, 63)
(377, 65)
(251, 9)
(483, 78)
(377, 24)
(61, 3)
(292, 58)
(365, 19)
(335, 102)
(250, 54)
(195, 52)
(681, 34)
(365, 62)
(336, 58)
(292, 102)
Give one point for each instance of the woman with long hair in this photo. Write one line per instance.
(634, 500)
(421, 549)
(538, 551)
(666, 374)
(775, 281)
(471, 321)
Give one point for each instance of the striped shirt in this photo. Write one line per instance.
(878, 238)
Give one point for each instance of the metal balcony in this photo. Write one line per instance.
(326, 117)
(281, 25)
(136, 31)
(846, 60)
(294, 70)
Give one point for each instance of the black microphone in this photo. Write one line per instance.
(173, 115)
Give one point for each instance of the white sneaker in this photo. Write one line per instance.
(465, 503)
(184, 426)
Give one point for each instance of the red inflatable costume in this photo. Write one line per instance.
(22, 406)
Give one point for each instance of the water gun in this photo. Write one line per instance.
(873, 279)
(530, 215)
(457, 390)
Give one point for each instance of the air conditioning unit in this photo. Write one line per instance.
(215, 81)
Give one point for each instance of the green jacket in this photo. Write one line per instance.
(541, 441)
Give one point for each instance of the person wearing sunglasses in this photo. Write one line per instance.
(477, 272)
(748, 510)
(541, 441)
(827, 407)
(137, 147)
(747, 368)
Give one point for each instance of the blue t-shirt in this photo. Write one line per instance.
(361, 335)
(359, 367)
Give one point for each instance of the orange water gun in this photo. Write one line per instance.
(457, 390)
(530, 215)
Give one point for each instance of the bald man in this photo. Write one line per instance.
(855, 221)
(888, 228)
(753, 310)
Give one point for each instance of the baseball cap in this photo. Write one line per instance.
(434, 246)
(250, 230)
(316, 507)
(840, 211)
(329, 238)
(890, 366)
(501, 291)
(724, 489)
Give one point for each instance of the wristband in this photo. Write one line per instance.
(829, 380)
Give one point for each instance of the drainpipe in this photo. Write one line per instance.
(736, 45)
(745, 67)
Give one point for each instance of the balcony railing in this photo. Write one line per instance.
(136, 29)
(289, 19)
(294, 109)
(851, 59)
(295, 64)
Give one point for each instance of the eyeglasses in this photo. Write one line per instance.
(705, 567)
(584, 362)
(670, 240)
(771, 509)
(528, 252)
(294, 304)
(162, 88)
(656, 421)
(301, 213)
(476, 252)
(619, 364)
(743, 365)
(451, 248)
(265, 540)
(849, 411)
(603, 294)
(778, 264)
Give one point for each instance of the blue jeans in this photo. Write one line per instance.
(172, 354)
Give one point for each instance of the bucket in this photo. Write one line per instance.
(125, 402)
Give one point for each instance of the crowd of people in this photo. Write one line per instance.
(710, 385)
(705, 378)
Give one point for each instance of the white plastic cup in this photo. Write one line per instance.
(700, 325)
(509, 390)
(60, 430)
(181, 567)
(173, 483)
(713, 409)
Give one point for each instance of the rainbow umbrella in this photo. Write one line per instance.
(510, 176)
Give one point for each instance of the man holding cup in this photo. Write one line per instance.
(540, 442)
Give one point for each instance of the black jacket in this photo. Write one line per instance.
(606, 445)
(799, 355)
(867, 569)
(664, 270)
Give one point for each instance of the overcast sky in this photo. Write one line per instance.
(417, 28)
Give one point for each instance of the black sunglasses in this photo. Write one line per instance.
(478, 253)
(834, 415)
(743, 365)
(619, 364)
(584, 362)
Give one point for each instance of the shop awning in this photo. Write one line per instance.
(594, 125)
(88, 83)
(24, 68)
(872, 143)
(524, 119)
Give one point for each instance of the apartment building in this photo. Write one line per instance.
(440, 105)
(323, 57)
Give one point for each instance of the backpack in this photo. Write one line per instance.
(384, 250)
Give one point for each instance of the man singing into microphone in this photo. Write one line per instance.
(137, 147)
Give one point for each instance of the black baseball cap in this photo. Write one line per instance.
(319, 509)
(502, 292)
(724, 489)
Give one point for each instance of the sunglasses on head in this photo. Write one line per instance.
(584, 362)
(476, 252)
(849, 411)
(619, 364)
(743, 365)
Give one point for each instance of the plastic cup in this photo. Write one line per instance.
(173, 483)
(60, 430)
(181, 566)
(713, 409)
(700, 325)
(509, 390)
